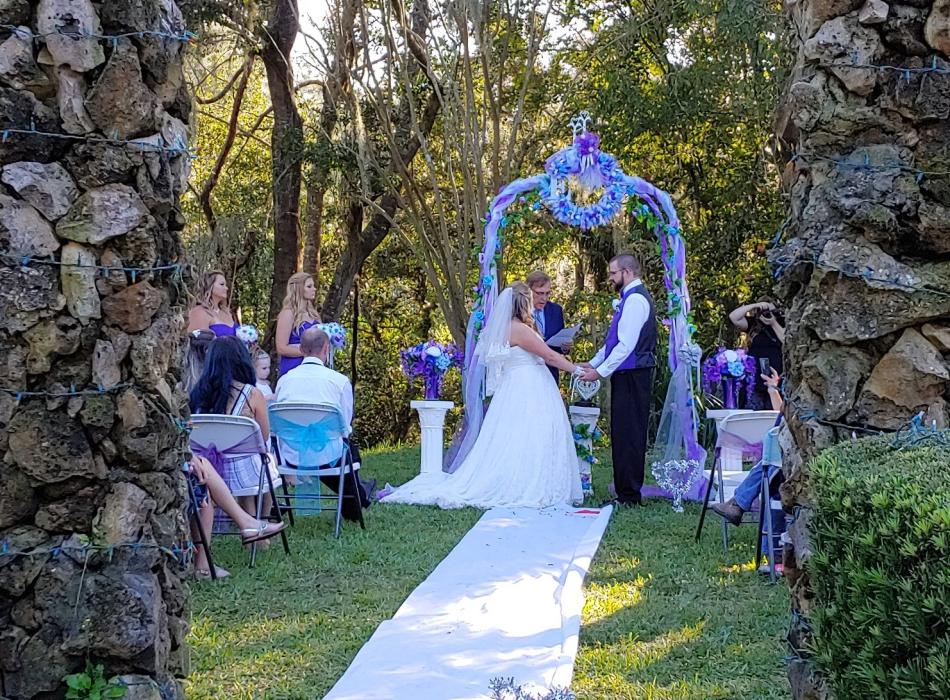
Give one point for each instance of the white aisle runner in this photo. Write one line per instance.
(505, 602)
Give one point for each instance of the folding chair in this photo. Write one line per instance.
(744, 433)
(220, 438)
(194, 507)
(309, 436)
(771, 458)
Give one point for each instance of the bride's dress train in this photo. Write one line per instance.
(524, 455)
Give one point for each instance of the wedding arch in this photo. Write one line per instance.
(593, 170)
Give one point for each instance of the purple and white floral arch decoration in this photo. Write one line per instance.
(592, 168)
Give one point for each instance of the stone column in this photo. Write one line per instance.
(432, 423)
(92, 461)
(865, 266)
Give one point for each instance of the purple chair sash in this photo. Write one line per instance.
(751, 451)
(219, 458)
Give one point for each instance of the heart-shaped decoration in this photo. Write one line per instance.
(588, 389)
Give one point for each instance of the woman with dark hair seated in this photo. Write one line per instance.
(196, 350)
(209, 488)
(226, 386)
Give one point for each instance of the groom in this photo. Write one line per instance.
(628, 357)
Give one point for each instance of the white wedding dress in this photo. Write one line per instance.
(524, 455)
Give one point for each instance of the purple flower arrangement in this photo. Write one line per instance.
(430, 360)
(731, 369)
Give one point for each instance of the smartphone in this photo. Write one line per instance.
(765, 367)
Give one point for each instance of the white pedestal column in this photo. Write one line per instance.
(585, 415)
(432, 422)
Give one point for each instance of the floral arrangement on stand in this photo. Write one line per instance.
(732, 370)
(337, 335)
(430, 360)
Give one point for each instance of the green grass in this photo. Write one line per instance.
(664, 617)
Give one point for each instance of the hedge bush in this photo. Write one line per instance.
(880, 569)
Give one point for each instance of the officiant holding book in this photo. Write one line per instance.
(628, 357)
(548, 316)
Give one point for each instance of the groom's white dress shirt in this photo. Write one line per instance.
(635, 313)
(313, 382)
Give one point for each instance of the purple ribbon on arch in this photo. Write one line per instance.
(218, 457)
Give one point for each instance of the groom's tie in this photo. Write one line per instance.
(539, 320)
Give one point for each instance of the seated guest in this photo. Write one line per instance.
(205, 482)
(226, 386)
(196, 350)
(211, 311)
(314, 382)
(750, 488)
(262, 369)
(297, 315)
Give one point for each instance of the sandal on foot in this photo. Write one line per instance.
(263, 531)
(206, 573)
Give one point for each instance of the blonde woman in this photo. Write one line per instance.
(211, 311)
(296, 316)
(524, 455)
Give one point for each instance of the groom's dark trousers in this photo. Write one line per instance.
(630, 392)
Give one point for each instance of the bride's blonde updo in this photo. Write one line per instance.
(521, 304)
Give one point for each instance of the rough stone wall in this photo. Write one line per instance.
(865, 269)
(99, 468)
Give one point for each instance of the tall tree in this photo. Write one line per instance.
(91, 504)
(866, 268)
(277, 36)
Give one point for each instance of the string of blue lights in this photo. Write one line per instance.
(179, 553)
(868, 274)
(134, 272)
(179, 149)
(184, 37)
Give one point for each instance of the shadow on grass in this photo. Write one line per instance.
(667, 617)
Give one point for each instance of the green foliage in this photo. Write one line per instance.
(91, 684)
(880, 573)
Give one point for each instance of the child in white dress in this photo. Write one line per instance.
(262, 367)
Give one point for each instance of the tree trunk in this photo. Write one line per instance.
(866, 273)
(92, 487)
(313, 238)
(278, 37)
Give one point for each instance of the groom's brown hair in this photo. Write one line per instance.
(627, 261)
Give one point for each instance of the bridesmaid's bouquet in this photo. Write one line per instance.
(430, 360)
(336, 332)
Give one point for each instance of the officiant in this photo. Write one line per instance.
(548, 316)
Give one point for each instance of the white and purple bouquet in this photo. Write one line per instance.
(731, 369)
(430, 360)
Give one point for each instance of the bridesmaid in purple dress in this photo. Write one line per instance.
(211, 311)
(296, 316)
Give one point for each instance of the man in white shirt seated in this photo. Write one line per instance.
(313, 382)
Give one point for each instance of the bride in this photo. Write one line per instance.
(524, 455)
